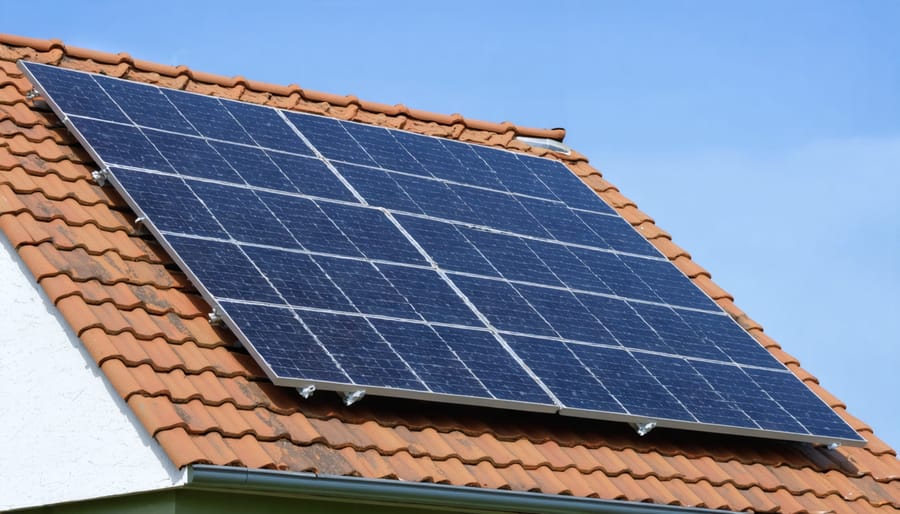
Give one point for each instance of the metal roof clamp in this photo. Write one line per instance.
(100, 177)
(32, 94)
(352, 397)
(215, 318)
(307, 392)
(643, 429)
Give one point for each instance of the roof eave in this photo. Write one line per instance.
(411, 494)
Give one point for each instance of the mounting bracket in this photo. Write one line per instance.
(643, 429)
(307, 392)
(214, 317)
(100, 177)
(352, 397)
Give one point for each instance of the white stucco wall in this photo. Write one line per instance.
(65, 434)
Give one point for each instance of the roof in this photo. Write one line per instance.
(206, 401)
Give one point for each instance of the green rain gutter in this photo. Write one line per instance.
(410, 494)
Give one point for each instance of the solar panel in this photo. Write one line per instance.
(355, 258)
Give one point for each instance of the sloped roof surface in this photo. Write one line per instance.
(206, 401)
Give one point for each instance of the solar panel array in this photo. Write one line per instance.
(354, 257)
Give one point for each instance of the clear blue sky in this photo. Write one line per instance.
(765, 136)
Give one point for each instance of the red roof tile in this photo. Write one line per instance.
(206, 401)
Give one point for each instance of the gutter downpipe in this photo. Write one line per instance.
(411, 494)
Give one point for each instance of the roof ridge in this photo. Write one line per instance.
(49, 45)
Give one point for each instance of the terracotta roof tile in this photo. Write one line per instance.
(206, 401)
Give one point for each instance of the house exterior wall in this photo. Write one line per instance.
(67, 434)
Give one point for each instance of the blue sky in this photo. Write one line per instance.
(764, 137)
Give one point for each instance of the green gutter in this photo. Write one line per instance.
(410, 494)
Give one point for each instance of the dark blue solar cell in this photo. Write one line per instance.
(373, 233)
(618, 234)
(299, 279)
(146, 105)
(436, 199)
(223, 269)
(626, 326)
(208, 116)
(120, 144)
(367, 288)
(193, 157)
(513, 172)
(693, 391)
(363, 354)
(472, 162)
(500, 211)
(328, 136)
(254, 166)
(311, 176)
(282, 342)
(802, 404)
(724, 332)
(567, 267)
(503, 306)
(75, 93)
(380, 144)
(378, 188)
(563, 373)
(430, 295)
(430, 357)
(493, 365)
(566, 315)
(615, 274)
(168, 203)
(309, 225)
(682, 338)
(447, 246)
(511, 256)
(561, 222)
(243, 214)
(733, 384)
(438, 160)
(267, 128)
(565, 184)
(635, 388)
(669, 283)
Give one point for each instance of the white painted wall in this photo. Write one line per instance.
(65, 434)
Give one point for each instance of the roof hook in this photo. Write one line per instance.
(643, 429)
(32, 94)
(140, 228)
(834, 446)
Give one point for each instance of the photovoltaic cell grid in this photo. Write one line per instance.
(354, 257)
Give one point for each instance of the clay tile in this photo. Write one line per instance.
(216, 450)
(652, 231)
(635, 216)
(156, 413)
(181, 448)
(121, 378)
(669, 249)
(689, 267)
(783, 356)
(250, 453)
(99, 344)
(712, 289)
(616, 199)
